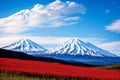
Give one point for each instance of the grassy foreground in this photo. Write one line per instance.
(13, 76)
(6, 76)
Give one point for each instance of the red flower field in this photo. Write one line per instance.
(55, 69)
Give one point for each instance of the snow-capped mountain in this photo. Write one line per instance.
(74, 47)
(25, 45)
(78, 47)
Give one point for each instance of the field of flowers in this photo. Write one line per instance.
(46, 69)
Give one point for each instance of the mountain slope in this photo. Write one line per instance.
(20, 55)
(17, 55)
(25, 45)
(78, 47)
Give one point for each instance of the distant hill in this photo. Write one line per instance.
(13, 54)
(115, 67)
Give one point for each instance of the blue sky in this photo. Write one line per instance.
(50, 22)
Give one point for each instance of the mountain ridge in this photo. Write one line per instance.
(78, 47)
(25, 45)
(74, 47)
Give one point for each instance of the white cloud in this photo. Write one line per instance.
(55, 14)
(113, 47)
(71, 18)
(115, 26)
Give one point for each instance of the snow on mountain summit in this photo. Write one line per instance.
(24, 45)
(78, 47)
(71, 47)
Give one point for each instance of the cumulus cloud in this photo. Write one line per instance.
(115, 26)
(55, 14)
